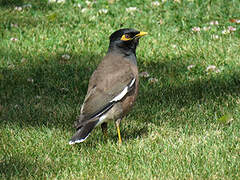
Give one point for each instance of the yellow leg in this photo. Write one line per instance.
(118, 131)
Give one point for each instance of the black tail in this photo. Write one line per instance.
(83, 132)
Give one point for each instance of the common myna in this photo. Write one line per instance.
(112, 88)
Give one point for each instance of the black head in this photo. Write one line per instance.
(125, 40)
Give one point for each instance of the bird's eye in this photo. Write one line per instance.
(127, 36)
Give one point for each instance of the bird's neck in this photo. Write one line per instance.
(129, 54)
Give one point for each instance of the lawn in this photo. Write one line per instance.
(186, 121)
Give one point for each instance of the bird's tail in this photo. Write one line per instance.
(83, 132)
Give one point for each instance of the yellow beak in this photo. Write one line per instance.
(141, 34)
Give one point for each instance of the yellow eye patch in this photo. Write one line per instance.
(126, 37)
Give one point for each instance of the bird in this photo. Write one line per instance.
(113, 86)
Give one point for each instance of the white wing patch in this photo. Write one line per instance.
(132, 82)
(102, 119)
(124, 92)
(121, 95)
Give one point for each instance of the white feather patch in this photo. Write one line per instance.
(124, 92)
(121, 95)
(102, 119)
(132, 82)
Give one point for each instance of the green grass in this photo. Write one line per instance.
(185, 126)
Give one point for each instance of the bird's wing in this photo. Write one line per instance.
(111, 81)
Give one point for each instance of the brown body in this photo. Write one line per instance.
(113, 87)
(113, 80)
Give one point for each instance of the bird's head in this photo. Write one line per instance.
(125, 40)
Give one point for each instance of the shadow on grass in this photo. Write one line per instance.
(7, 3)
(207, 86)
(18, 168)
(172, 92)
(50, 91)
(133, 133)
(46, 93)
(37, 4)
